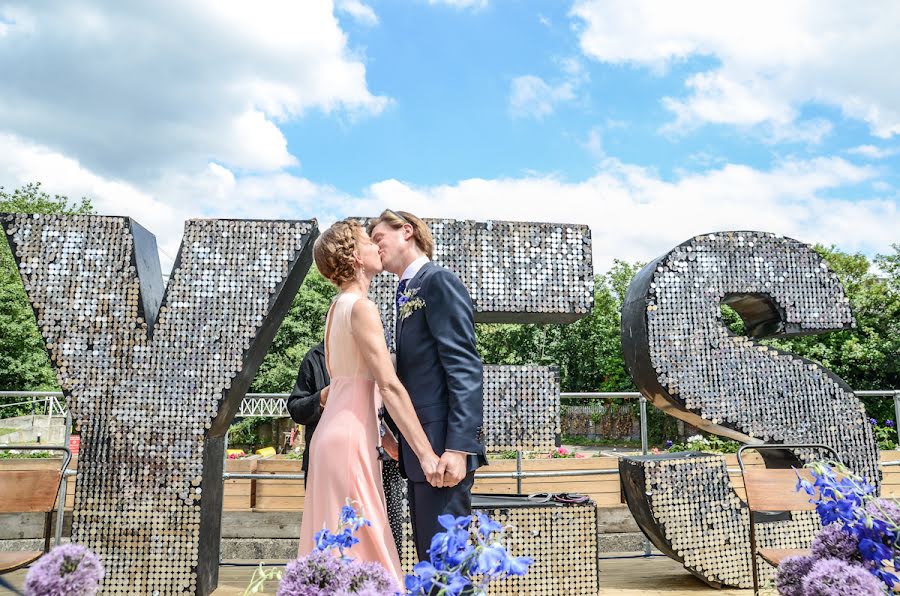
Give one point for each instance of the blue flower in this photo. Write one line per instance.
(486, 526)
(461, 553)
(346, 539)
(873, 551)
(323, 539)
(803, 484)
(668, 444)
(889, 423)
(519, 565)
(491, 560)
(872, 421)
(348, 514)
(450, 522)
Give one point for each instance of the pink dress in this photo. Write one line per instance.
(344, 461)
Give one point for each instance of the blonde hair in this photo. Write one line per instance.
(333, 251)
(397, 219)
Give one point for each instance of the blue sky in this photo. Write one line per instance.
(650, 122)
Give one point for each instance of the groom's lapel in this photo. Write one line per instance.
(413, 283)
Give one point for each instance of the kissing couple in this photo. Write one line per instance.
(434, 396)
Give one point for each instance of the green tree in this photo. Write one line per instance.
(303, 327)
(867, 357)
(24, 364)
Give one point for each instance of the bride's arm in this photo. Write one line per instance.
(369, 335)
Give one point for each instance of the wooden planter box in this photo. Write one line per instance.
(240, 494)
(279, 495)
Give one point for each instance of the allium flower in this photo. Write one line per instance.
(883, 508)
(318, 573)
(833, 577)
(67, 570)
(834, 542)
(369, 578)
(790, 574)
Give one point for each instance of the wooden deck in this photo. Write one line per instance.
(658, 576)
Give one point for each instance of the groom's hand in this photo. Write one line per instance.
(452, 468)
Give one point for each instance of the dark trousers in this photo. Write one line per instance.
(426, 503)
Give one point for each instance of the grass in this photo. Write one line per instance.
(7, 431)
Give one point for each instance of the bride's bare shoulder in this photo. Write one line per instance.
(365, 309)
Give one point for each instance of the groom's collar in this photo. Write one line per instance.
(414, 268)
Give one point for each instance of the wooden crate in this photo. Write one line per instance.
(279, 495)
(240, 494)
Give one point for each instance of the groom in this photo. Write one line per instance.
(440, 368)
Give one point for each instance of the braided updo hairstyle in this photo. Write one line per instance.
(334, 248)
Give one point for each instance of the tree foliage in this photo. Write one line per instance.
(303, 328)
(587, 352)
(24, 364)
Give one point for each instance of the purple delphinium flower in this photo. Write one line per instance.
(834, 542)
(889, 423)
(790, 574)
(315, 574)
(68, 569)
(668, 444)
(872, 421)
(833, 577)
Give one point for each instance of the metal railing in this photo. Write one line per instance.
(275, 405)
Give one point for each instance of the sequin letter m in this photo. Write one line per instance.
(154, 374)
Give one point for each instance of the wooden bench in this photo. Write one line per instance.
(30, 491)
(771, 490)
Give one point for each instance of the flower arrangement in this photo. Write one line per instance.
(467, 556)
(857, 545)
(563, 453)
(67, 570)
(321, 572)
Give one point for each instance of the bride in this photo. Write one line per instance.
(345, 443)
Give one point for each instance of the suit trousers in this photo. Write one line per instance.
(426, 503)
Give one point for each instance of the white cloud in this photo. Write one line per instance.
(636, 215)
(134, 90)
(773, 56)
(532, 97)
(361, 13)
(474, 4)
(872, 152)
(633, 213)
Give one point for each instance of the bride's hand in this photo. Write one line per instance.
(389, 444)
(429, 465)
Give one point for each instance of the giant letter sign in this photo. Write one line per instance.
(683, 358)
(152, 379)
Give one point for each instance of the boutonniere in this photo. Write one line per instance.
(409, 303)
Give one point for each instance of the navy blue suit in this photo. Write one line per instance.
(440, 367)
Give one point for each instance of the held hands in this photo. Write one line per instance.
(451, 469)
(389, 444)
(429, 465)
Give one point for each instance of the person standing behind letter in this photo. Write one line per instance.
(309, 396)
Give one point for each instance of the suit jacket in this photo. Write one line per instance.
(303, 403)
(440, 367)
